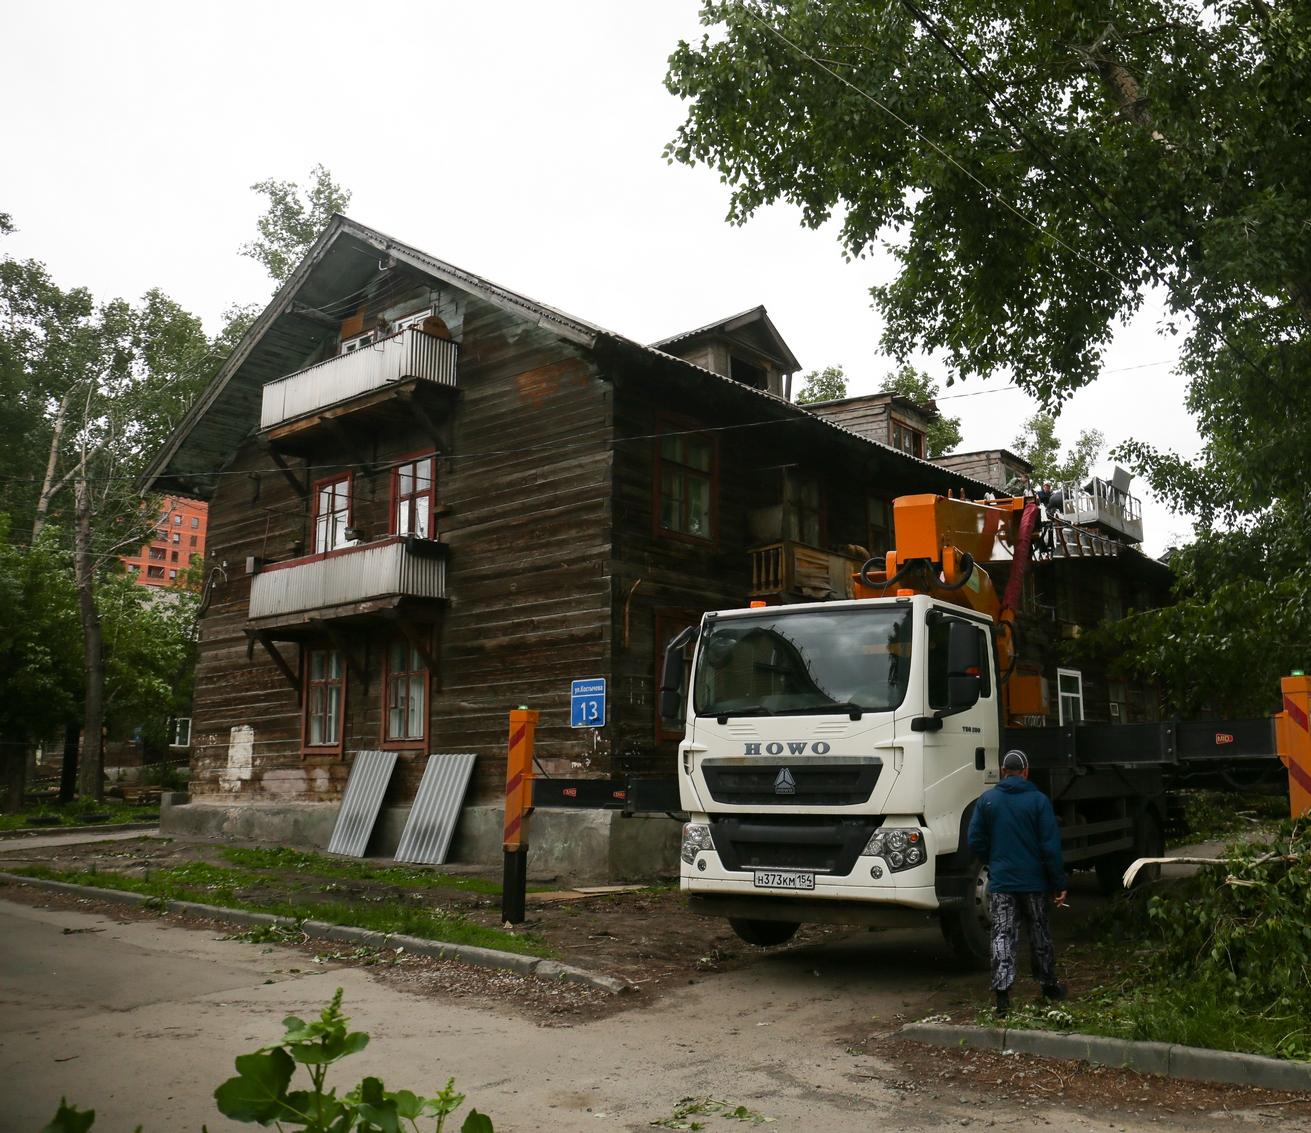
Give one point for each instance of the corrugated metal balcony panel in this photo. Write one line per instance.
(358, 574)
(1100, 502)
(409, 354)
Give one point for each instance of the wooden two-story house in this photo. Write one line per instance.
(432, 500)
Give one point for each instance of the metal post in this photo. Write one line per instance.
(518, 810)
(1293, 741)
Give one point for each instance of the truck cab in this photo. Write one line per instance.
(831, 754)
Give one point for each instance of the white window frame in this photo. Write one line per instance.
(358, 342)
(178, 725)
(413, 320)
(1061, 694)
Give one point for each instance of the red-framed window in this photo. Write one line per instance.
(325, 700)
(413, 497)
(686, 484)
(405, 704)
(332, 513)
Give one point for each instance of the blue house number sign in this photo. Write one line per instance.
(587, 703)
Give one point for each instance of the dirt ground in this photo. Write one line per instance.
(647, 938)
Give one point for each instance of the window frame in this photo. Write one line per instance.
(1077, 674)
(349, 479)
(308, 685)
(409, 743)
(687, 430)
(177, 725)
(918, 440)
(394, 512)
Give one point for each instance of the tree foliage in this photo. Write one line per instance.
(1035, 170)
(828, 384)
(942, 434)
(1038, 443)
(293, 219)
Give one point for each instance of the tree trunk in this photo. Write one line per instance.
(14, 754)
(68, 768)
(48, 486)
(91, 777)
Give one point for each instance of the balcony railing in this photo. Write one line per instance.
(398, 567)
(409, 354)
(1101, 503)
(789, 569)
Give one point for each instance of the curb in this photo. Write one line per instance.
(1196, 1064)
(102, 828)
(346, 934)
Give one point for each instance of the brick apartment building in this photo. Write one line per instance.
(179, 538)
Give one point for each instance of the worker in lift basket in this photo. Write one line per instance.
(1014, 830)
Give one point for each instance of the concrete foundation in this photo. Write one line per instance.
(575, 847)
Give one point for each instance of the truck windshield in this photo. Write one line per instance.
(780, 664)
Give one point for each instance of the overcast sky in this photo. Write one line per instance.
(519, 140)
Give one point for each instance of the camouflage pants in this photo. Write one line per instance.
(1008, 909)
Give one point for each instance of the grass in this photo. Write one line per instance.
(218, 885)
(75, 815)
(339, 869)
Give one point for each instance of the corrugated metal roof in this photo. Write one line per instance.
(370, 774)
(436, 809)
(239, 405)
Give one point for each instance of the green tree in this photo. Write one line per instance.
(1041, 447)
(293, 220)
(1035, 170)
(40, 651)
(943, 432)
(828, 384)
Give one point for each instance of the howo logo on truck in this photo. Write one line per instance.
(792, 747)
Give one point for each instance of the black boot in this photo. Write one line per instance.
(1054, 992)
(1003, 1004)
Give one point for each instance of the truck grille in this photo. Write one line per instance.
(802, 782)
(825, 845)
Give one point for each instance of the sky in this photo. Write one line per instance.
(520, 140)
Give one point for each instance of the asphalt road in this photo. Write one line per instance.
(141, 1020)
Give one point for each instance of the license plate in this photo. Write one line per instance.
(782, 879)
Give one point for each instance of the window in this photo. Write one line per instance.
(1069, 687)
(154, 572)
(417, 319)
(194, 541)
(939, 634)
(412, 498)
(878, 517)
(173, 574)
(325, 699)
(407, 696)
(359, 342)
(181, 732)
(158, 553)
(685, 483)
(747, 373)
(806, 508)
(195, 523)
(332, 505)
(176, 537)
(906, 439)
(177, 521)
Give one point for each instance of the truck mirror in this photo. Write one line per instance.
(671, 675)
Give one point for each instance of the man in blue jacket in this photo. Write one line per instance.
(1014, 830)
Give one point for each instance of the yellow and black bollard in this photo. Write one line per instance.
(518, 809)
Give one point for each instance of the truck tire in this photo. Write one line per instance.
(967, 928)
(764, 933)
(1148, 842)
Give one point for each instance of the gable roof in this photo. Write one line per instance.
(337, 269)
(756, 318)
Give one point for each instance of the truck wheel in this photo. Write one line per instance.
(764, 933)
(968, 927)
(1148, 842)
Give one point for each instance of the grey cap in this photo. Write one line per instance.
(1015, 760)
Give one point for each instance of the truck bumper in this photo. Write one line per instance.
(707, 878)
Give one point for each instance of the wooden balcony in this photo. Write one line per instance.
(410, 359)
(351, 583)
(795, 572)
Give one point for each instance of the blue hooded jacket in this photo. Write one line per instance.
(1014, 830)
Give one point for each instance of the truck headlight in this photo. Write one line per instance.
(696, 837)
(901, 847)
